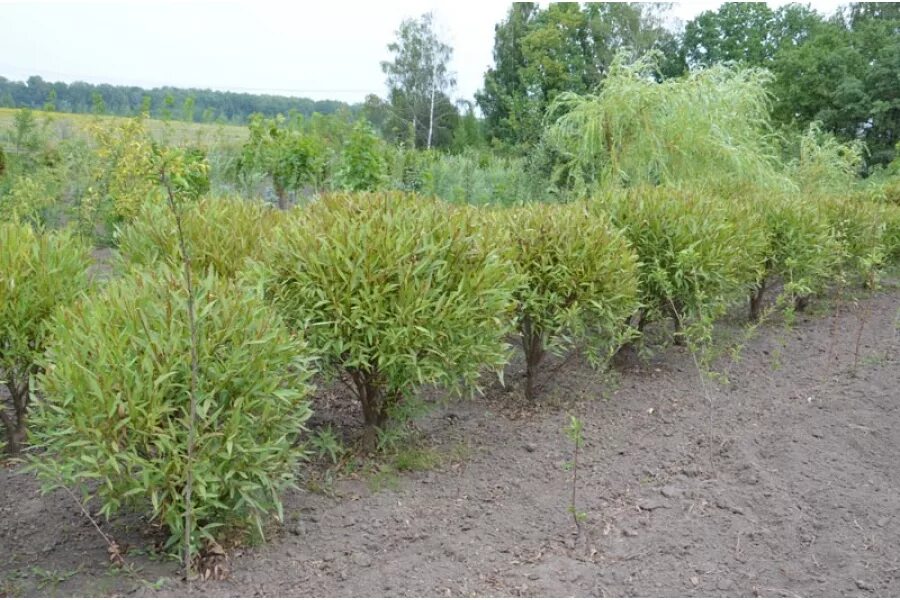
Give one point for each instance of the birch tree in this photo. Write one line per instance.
(419, 80)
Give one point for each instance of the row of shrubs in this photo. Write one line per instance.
(383, 291)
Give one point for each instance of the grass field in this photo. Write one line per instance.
(59, 125)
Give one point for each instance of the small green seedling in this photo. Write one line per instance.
(574, 431)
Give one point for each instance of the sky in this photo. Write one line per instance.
(320, 50)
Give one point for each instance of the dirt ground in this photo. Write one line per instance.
(782, 481)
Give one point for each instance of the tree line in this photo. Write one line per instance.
(208, 106)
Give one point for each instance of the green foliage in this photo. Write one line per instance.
(363, 166)
(99, 105)
(890, 216)
(114, 422)
(220, 233)
(565, 47)
(38, 273)
(408, 168)
(291, 158)
(126, 101)
(468, 133)
(31, 198)
(826, 165)
(801, 248)
(124, 175)
(191, 177)
(843, 74)
(575, 433)
(481, 178)
(50, 104)
(419, 82)
(25, 135)
(579, 274)
(76, 168)
(735, 32)
(696, 252)
(638, 131)
(324, 443)
(188, 109)
(860, 230)
(229, 176)
(168, 105)
(884, 189)
(393, 291)
(840, 71)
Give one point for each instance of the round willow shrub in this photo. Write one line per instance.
(801, 249)
(579, 276)
(392, 291)
(697, 253)
(116, 409)
(861, 232)
(220, 232)
(38, 273)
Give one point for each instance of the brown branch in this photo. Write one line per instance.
(195, 368)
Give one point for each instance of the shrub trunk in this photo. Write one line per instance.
(281, 193)
(756, 299)
(14, 423)
(678, 337)
(533, 346)
(375, 403)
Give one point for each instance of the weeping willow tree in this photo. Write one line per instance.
(708, 126)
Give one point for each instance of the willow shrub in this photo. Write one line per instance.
(38, 273)
(481, 178)
(32, 198)
(393, 291)
(801, 249)
(860, 230)
(697, 253)
(221, 233)
(579, 277)
(114, 420)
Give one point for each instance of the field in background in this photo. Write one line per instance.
(60, 125)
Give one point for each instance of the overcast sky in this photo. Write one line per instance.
(322, 49)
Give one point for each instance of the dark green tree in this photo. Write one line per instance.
(187, 109)
(735, 32)
(844, 74)
(98, 104)
(50, 104)
(468, 133)
(567, 47)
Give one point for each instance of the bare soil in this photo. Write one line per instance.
(782, 481)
